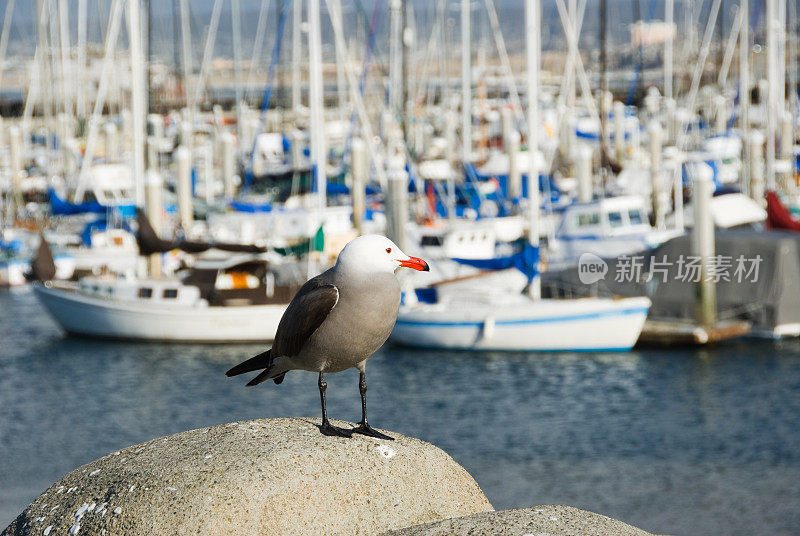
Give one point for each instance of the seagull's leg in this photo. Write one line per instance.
(326, 428)
(364, 427)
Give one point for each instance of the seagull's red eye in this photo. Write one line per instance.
(388, 250)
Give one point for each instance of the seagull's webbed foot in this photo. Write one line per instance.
(367, 430)
(327, 429)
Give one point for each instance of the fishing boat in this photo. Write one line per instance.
(608, 227)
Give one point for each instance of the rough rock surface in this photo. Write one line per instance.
(275, 476)
(551, 520)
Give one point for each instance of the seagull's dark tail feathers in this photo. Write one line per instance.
(264, 376)
(261, 361)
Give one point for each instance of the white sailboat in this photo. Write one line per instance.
(488, 319)
(240, 299)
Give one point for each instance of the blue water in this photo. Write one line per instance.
(686, 442)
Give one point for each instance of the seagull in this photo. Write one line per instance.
(337, 320)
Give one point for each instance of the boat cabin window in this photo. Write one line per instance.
(615, 219)
(635, 215)
(591, 218)
(145, 292)
(170, 293)
(431, 240)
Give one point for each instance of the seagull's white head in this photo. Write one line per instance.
(376, 254)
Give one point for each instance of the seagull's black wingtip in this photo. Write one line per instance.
(261, 361)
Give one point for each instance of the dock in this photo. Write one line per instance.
(675, 332)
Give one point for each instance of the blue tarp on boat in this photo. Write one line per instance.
(12, 245)
(526, 261)
(337, 188)
(547, 184)
(61, 207)
(243, 206)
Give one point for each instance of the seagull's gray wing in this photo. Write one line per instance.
(307, 311)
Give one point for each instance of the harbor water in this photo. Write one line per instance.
(685, 442)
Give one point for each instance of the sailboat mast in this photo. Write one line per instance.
(81, 68)
(297, 45)
(341, 83)
(669, 17)
(64, 46)
(317, 129)
(137, 97)
(175, 49)
(466, 83)
(772, 96)
(236, 28)
(4, 35)
(533, 48)
(637, 17)
(603, 74)
(148, 73)
(744, 91)
(407, 37)
(186, 50)
(395, 61)
(781, 59)
(45, 81)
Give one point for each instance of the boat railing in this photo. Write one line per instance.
(560, 289)
(62, 284)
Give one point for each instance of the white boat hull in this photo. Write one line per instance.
(591, 324)
(96, 317)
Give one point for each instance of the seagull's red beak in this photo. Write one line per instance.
(416, 264)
